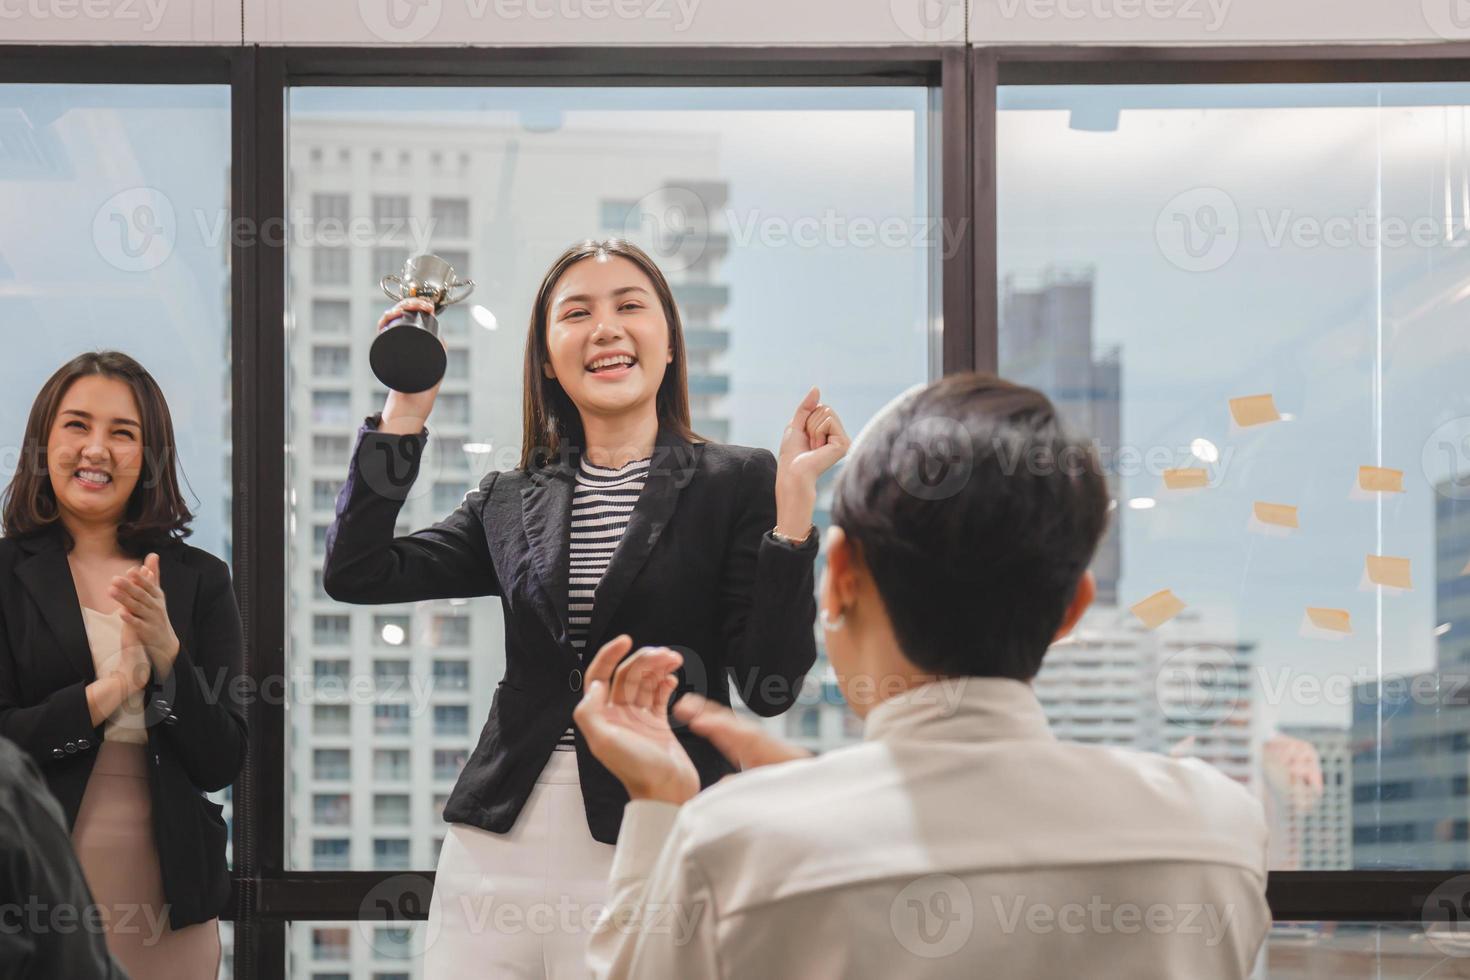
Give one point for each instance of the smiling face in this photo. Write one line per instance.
(607, 338)
(94, 451)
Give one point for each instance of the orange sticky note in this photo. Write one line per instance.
(1336, 620)
(1254, 410)
(1392, 572)
(1158, 608)
(1186, 479)
(1378, 479)
(1283, 515)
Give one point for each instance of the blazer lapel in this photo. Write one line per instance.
(47, 577)
(546, 510)
(669, 470)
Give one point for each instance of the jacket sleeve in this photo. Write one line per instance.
(767, 596)
(203, 717)
(366, 563)
(660, 919)
(44, 728)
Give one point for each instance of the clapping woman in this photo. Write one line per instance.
(120, 646)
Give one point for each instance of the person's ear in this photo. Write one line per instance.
(841, 566)
(670, 358)
(547, 370)
(1081, 599)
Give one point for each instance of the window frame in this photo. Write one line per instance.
(963, 83)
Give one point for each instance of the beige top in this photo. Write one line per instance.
(961, 838)
(104, 636)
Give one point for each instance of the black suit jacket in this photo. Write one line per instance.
(39, 869)
(696, 569)
(196, 730)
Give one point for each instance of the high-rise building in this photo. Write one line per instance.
(1314, 833)
(388, 700)
(1411, 734)
(1046, 342)
(1186, 690)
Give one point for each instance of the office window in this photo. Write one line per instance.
(451, 631)
(451, 217)
(331, 764)
(331, 719)
(390, 809)
(331, 316)
(1262, 325)
(452, 407)
(457, 359)
(331, 630)
(331, 361)
(392, 719)
(390, 853)
(331, 265)
(324, 494)
(451, 719)
(332, 808)
(390, 765)
(333, 208)
(451, 675)
(751, 170)
(390, 674)
(390, 213)
(448, 763)
(331, 407)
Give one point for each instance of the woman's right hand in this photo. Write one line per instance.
(405, 414)
(132, 662)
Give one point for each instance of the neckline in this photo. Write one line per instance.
(116, 613)
(590, 467)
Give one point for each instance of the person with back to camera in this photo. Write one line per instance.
(619, 519)
(960, 838)
(120, 646)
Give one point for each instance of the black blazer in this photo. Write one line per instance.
(696, 569)
(196, 730)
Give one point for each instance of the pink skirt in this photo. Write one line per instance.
(113, 838)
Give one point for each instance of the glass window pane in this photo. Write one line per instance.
(1261, 288)
(114, 234)
(774, 297)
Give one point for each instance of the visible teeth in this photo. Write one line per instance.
(604, 362)
(94, 476)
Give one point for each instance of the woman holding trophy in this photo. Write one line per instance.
(619, 521)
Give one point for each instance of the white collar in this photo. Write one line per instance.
(960, 709)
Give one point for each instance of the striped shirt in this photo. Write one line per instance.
(601, 506)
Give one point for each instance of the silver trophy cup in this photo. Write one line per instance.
(407, 354)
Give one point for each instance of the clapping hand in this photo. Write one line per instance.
(145, 614)
(624, 717)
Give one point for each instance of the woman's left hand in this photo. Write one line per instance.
(812, 444)
(146, 612)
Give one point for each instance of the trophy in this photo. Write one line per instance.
(407, 354)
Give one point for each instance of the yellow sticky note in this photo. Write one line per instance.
(1158, 608)
(1336, 620)
(1283, 515)
(1378, 479)
(1186, 479)
(1392, 572)
(1254, 410)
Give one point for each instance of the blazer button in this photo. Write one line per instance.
(171, 720)
(83, 744)
(71, 747)
(57, 753)
(575, 678)
(162, 704)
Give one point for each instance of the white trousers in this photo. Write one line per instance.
(521, 905)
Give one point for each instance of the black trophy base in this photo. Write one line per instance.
(408, 357)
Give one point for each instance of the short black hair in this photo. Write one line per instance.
(976, 515)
